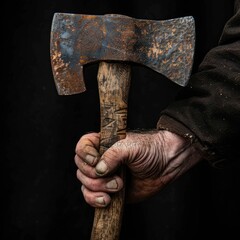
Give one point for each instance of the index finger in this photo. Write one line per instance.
(87, 148)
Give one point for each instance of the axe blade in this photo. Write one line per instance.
(66, 68)
(166, 46)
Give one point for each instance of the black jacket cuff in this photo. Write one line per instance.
(170, 124)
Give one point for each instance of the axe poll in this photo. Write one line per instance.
(116, 41)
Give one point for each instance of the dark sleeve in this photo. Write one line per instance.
(207, 111)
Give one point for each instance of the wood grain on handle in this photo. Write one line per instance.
(113, 85)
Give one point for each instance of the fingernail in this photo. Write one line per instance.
(100, 200)
(101, 168)
(90, 159)
(112, 184)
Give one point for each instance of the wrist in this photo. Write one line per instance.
(180, 154)
(174, 144)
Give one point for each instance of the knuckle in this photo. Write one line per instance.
(90, 183)
(93, 185)
(112, 160)
(78, 175)
(78, 148)
(88, 199)
(76, 160)
(87, 149)
(112, 153)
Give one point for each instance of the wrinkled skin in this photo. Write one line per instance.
(154, 159)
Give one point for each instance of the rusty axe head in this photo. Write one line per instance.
(166, 46)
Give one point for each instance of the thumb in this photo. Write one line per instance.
(112, 158)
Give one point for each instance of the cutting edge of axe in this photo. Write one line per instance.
(166, 46)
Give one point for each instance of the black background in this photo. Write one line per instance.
(41, 197)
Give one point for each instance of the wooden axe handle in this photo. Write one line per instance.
(113, 84)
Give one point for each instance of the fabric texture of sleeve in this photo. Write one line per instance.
(207, 111)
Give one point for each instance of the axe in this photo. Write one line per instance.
(116, 41)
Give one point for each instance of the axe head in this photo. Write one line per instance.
(166, 46)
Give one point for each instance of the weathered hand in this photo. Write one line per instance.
(154, 158)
